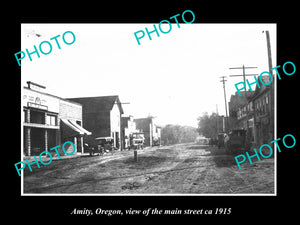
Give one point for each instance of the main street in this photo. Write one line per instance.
(176, 169)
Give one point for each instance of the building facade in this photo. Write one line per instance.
(255, 112)
(152, 132)
(241, 109)
(263, 106)
(128, 128)
(70, 119)
(44, 116)
(102, 116)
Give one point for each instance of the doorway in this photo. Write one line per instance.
(37, 138)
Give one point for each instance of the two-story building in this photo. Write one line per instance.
(102, 116)
(255, 112)
(241, 109)
(263, 107)
(49, 120)
(152, 131)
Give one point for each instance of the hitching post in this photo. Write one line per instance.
(135, 155)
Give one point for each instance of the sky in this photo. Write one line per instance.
(174, 77)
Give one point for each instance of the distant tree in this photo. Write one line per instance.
(189, 134)
(174, 134)
(207, 125)
(210, 125)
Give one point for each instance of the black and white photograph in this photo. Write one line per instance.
(139, 113)
(105, 112)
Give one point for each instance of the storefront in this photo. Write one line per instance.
(44, 115)
(72, 131)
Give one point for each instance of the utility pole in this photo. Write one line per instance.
(223, 80)
(269, 50)
(244, 75)
(271, 105)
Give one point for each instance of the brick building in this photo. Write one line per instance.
(102, 116)
(255, 112)
(263, 107)
(241, 109)
(152, 132)
(49, 121)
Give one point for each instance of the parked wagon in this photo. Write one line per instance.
(100, 146)
(236, 141)
(105, 144)
(220, 140)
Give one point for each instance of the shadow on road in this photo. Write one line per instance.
(219, 155)
(224, 161)
(145, 161)
(198, 147)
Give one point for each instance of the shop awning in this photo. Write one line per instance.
(75, 129)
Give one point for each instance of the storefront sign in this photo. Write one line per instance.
(37, 106)
(39, 100)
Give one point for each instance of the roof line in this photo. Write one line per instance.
(64, 99)
(96, 96)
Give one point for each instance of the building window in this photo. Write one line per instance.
(251, 106)
(258, 108)
(51, 120)
(37, 117)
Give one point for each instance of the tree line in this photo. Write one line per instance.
(210, 125)
(176, 134)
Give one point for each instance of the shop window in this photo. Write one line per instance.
(51, 120)
(37, 117)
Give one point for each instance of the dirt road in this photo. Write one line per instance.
(177, 169)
